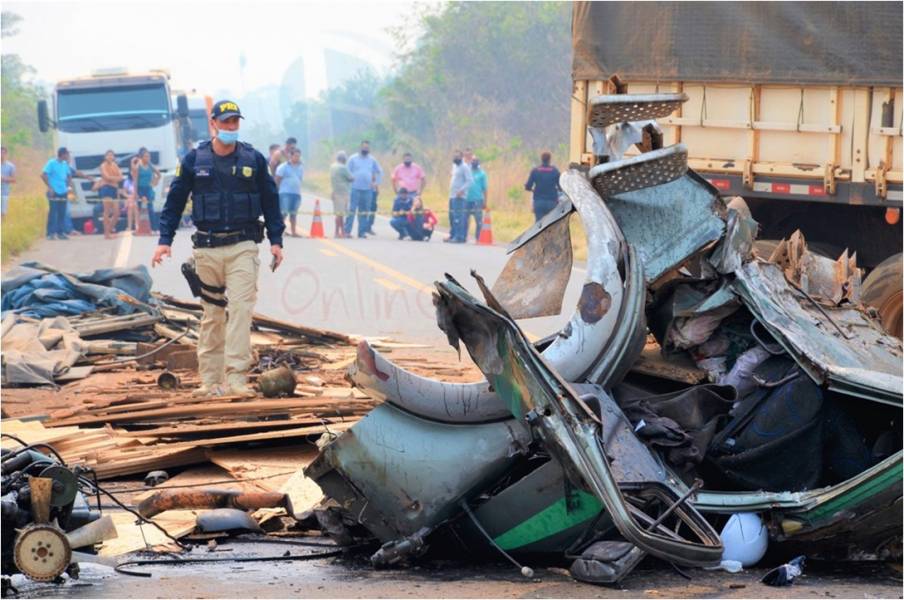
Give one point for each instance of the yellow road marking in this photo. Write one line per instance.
(387, 284)
(328, 252)
(409, 281)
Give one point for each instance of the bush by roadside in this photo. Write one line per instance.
(23, 224)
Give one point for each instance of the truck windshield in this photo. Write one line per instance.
(198, 118)
(113, 108)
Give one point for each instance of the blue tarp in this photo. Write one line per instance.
(37, 290)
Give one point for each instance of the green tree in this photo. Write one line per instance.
(18, 117)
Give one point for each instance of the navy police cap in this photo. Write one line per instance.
(225, 109)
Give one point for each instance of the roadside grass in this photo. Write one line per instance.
(510, 204)
(23, 224)
(26, 221)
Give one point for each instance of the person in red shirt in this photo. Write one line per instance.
(421, 221)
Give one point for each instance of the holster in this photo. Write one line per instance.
(198, 287)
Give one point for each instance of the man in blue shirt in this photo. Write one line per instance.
(476, 199)
(57, 176)
(231, 188)
(459, 183)
(401, 207)
(544, 183)
(367, 175)
(289, 176)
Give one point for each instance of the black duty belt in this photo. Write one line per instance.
(209, 239)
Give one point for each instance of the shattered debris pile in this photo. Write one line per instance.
(703, 374)
(127, 367)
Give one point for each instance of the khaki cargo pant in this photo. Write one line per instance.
(224, 345)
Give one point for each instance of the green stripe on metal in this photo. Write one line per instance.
(551, 520)
(855, 496)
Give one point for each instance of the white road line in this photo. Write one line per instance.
(125, 248)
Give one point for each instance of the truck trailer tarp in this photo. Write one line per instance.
(832, 43)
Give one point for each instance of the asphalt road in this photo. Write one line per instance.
(377, 287)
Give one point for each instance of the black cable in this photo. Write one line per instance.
(30, 447)
(526, 571)
(245, 559)
(290, 542)
(97, 487)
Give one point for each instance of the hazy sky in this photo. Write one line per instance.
(200, 42)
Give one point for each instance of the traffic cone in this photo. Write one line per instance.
(486, 230)
(317, 221)
(144, 222)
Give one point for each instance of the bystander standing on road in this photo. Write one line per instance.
(273, 155)
(282, 155)
(340, 180)
(367, 174)
(131, 202)
(231, 189)
(459, 183)
(8, 177)
(289, 176)
(57, 176)
(409, 175)
(476, 199)
(110, 178)
(401, 210)
(145, 175)
(544, 183)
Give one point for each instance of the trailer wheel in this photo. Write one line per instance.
(882, 289)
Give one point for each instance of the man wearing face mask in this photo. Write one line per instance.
(367, 174)
(231, 189)
(409, 175)
(459, 183)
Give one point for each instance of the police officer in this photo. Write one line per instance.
(230, 188)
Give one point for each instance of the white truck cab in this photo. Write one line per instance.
(113, 110)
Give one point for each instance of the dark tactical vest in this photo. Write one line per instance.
(220, 201)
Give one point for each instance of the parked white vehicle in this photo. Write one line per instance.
(113, 110)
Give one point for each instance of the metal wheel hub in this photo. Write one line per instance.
(42, 552)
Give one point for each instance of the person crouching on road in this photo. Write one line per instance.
(289, 176)
(340, 179)
(401, 208)
(421, 221)
(230, 188)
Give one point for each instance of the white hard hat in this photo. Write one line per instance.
(744, 539)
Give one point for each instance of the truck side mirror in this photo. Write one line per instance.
(43, 116)
(182, 106)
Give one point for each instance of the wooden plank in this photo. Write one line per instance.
(132, 537)
(269, 435)
(254, 406)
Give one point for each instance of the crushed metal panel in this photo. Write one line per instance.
(669, 223)
(562, 210)
(534, 279)
(736, 247)
(832, 281)
(565, 425)
(840, 348)
(428, 398)
(397, 473)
